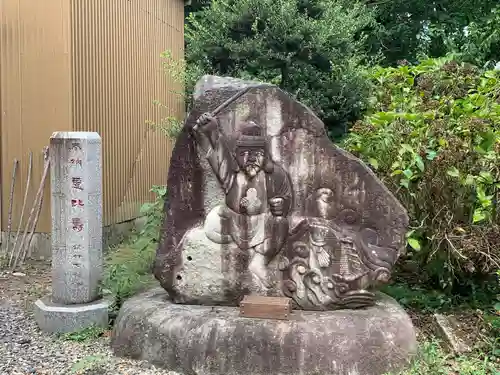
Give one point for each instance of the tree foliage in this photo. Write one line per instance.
(310, 48)
(482, 44)
(409, 28)
(433, 136)
(431, 131)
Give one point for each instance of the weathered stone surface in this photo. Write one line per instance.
(215, 340)
(260, 201)
(58, 318)
(76, 207)
(449, 329)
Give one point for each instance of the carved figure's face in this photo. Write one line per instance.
(318, 235)
(251, 160)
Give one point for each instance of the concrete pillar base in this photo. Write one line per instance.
(57, 318)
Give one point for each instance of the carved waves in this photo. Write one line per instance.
(330, 260)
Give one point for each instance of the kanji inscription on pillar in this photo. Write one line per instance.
(76, 182)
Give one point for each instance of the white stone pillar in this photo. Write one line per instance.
(76, 207)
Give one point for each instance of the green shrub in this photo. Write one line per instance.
(433, 136)
(482, 42)
(128, 270)
(183, 78)
(312, 49)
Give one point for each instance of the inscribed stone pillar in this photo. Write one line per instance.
(76, 216)
(76, 205)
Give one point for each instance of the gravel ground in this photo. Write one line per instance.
(24, 349)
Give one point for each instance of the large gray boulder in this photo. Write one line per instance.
(204, 340)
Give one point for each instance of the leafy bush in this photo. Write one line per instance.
(128, 269)
(312, 49)
(410, 29)
(433, 136)
(184, 78)
(482, 42)
(419, 298)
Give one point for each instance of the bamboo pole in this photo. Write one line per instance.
(33, 208)
(40, 204)
(25, 199)
(11, 204)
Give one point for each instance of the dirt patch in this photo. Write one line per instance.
(26, 285)
(425, 325)
(474, 330)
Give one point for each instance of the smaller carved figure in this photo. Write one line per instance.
(319, 247)
(324, 197)
(326, 262)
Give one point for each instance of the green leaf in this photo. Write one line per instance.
(469, 107)
(431, 155)
(487, 201)
(488, 141)
(146, 207)
(405, 182)
(443, 142)
(478, 216)
(406, 148)
(420, 163)
(453, 172)
(382, 118)
(490, 74)
(159, 190)
(469, 180)
(408, 173)
(373, 162)
(486, 177)
(414, 244)
(410, 116)
(481, 193)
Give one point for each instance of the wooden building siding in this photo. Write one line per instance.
(88, 65)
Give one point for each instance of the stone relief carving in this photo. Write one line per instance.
(328, 260)
(331, 260)
(258, 193)
(272, 207)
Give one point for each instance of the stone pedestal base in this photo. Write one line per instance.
(57, 318)
(215, 340)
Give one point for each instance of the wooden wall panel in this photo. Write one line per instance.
(34, 93)
(90, 65)
(117, 74)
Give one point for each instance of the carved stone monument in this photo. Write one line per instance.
(260, 202)
(76, 201)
